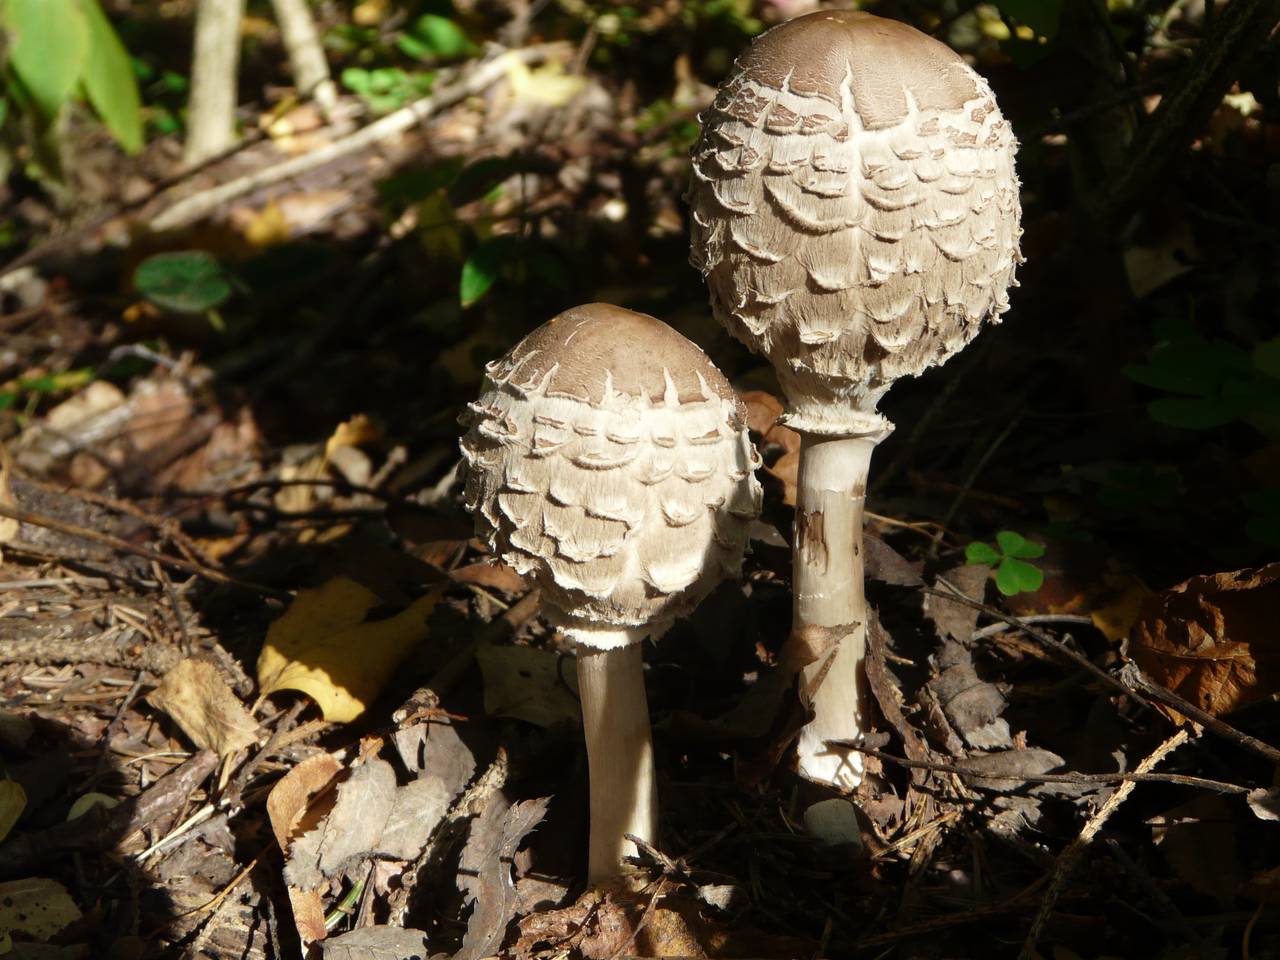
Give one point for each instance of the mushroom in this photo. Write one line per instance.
(608, 459)
(856, 215)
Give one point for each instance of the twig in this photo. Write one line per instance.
(1067, 859)
(482, 76)
(99, 829)
(997, 628)
(955, 594)
(124, 546)
(1077, 779)
(1242, 27)
(1133, 677)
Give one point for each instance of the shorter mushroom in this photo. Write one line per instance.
(608, 459)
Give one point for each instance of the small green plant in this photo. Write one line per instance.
(58, 49)
(185, 281)
(33, 388)
(432, 37)
(1009, 557)
(1210, 383)
(387, 88)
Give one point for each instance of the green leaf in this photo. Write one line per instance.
(48, 42)
(1014, 544)
(439, 36)
(1192, 413)
(109, 80)
(483, 266)
(187, 281)
(979, 552)
(1016, 576)
(355, 79)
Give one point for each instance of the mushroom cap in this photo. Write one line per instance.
(608, 459)
(855, 209)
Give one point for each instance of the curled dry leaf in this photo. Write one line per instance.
(295, 792)
(199, 700)
(325, 646)
(1212, 640)
(484, 872)
(763, 411)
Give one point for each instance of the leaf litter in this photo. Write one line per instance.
(287, 494)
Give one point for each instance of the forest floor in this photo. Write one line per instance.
(264, 692)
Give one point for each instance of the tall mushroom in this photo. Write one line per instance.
(856, 215)
(608, 459)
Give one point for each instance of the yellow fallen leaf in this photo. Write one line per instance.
(37, 907)
(324, 647)
(355, 432)
(1115, 618)
(88, 801)
(8, 526)
(199, 700)
(13, 800)
(547, 85)
(267, 227)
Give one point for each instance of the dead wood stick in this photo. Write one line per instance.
(1240, 28)
(124, 546)
(472, 82)
(1077, 779)
(1067, 859)
(124, 650)
(99, 829)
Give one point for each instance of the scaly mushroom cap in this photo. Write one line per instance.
(855, 209)
(608, 458)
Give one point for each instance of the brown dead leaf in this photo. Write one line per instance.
(952, 619)
(351, 830)
(199, 700)
(295, 792)
(377, 943)
(530, 684)
(763, 412)
(492, 575)
(1212, 640)
(484, 871)
(308, 915)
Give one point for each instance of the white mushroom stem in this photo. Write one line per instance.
(830, 611)
(615, 718)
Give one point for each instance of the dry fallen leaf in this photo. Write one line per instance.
(484, 871)
(199, 700)
(529, 684)
(763, 412)
(1212, 640)
(324, 647)
(377, 943)
(36, 907)
(295, 792)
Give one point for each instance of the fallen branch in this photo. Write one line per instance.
(99, 829)
(473, 82)
(1075, 779)
(1067, 859)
